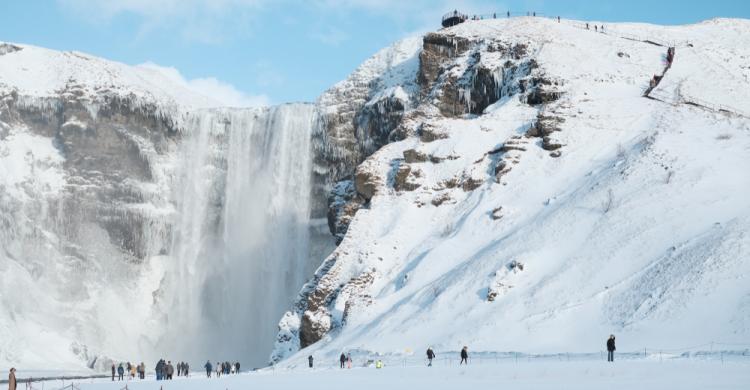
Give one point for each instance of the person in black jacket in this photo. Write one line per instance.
(310, 361)
(430, 356)
(342, 359)
(464, 355)
(113, 372)
(611, 348)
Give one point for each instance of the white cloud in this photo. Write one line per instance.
(224, 93)
(206, 21)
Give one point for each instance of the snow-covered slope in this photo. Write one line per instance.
(571, 208)
(37, 74)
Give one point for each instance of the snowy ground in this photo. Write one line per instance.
(630, 374)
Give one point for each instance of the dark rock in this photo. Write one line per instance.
(549, 144)
(440, 199)
(413, 156)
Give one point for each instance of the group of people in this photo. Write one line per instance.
(596, 28)
(345, 359)
(131, 370)
(222, 368)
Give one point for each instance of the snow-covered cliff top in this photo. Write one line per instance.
(35, 72)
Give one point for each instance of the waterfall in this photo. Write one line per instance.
(241, 235)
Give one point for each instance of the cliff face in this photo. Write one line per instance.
(446, 76)
(528, 186)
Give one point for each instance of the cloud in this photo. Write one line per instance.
(204, 21)
(223, 93)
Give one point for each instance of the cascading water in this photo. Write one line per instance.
(240, 248)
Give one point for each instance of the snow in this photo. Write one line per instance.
(487, 373)
(40, 74)
(638, 229)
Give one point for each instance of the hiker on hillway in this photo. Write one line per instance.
(464, 355)
(12, 379)
(310, 361)
(208, 368)
(342, 359)
(611, 348)
(113, 372)
(120, 372)
(430, 356)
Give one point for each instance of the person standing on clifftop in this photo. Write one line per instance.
(12, 379)
(342, 359)
(464, 355)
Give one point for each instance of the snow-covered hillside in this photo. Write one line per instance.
(554, 216)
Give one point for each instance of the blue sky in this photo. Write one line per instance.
(277, 51)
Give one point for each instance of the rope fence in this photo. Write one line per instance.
(705, 352)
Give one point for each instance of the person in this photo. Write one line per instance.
(602, 29)
(208, 368)
(494, 15)
(349, 360)
(231, 368)
(342, 359)
(558, 19)
(157, 369)
(464, 355)
(534, 13)
(237, 367)
(132, 371)
(218, 369)
(310, 361)
(379, 364)
(120, 372)
(596, 28)
(507, 14)
(127, 368)
(430, 356)
(113, 372)
(179, 368)
(185, 369)
(587, 26)
(170, 370)
(12, 379)
(611, 348)
(143, 370)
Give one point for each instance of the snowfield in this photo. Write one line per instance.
(507, 374)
